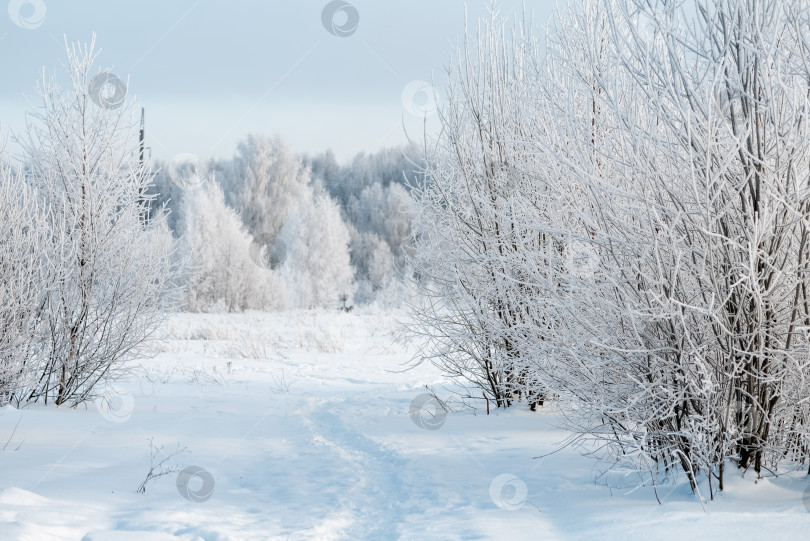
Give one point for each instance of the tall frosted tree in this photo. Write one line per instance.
(383, 210)
(317, 269)
(221, 275)
(264, 182)
(81, 152)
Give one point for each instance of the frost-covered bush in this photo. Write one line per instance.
(623, 223)
(25, 279)
(482, 222)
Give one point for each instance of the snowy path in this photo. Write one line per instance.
(334, 456)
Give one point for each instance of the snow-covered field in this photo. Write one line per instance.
(297, 426)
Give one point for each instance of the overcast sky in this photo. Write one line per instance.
(209, 72)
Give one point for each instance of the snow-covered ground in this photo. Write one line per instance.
(297, 426)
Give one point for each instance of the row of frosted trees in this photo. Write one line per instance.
(269, 229)
(622, 223)
(82, 278)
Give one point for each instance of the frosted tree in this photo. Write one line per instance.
(221, 275)
(264, 183)
(317, 268)
(373, 263)
(383, 210)
(80, 147)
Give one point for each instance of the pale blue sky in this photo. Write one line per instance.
(209, 72)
